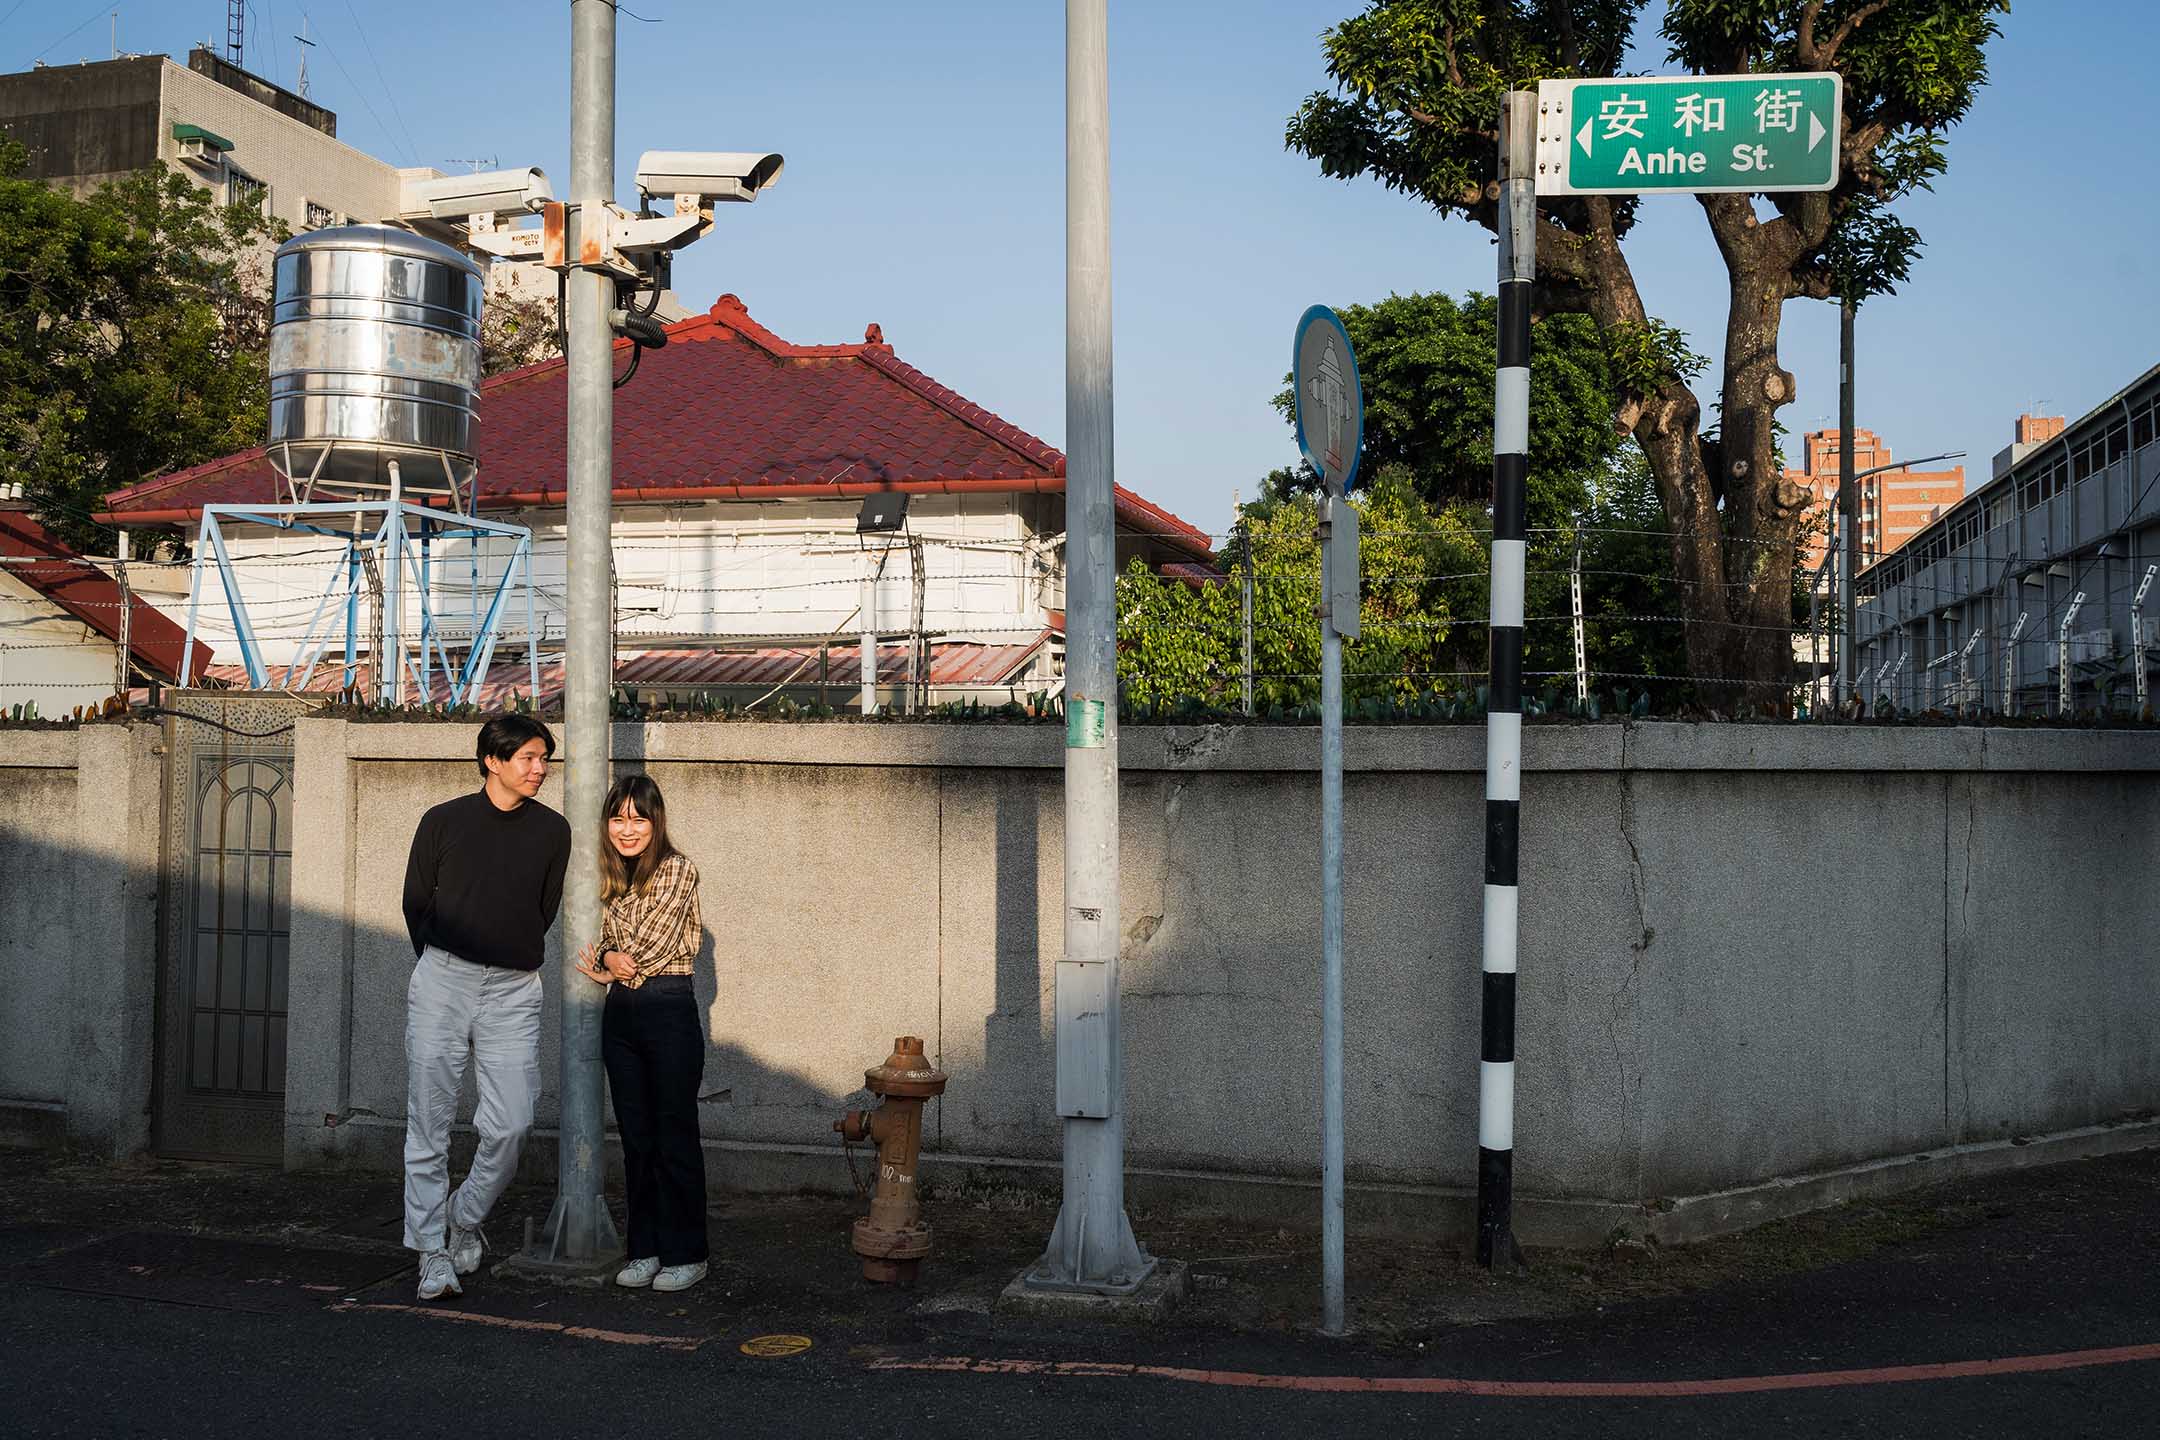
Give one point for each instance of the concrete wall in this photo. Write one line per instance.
(78, 934)
(1760, 967)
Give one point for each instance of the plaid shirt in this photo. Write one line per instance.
(657, 927)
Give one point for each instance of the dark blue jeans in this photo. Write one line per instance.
(654, 1047)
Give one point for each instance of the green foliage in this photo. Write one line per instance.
(133, 335)
(1182, 644)
(1426, 363)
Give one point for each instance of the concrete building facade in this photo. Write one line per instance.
(237, 135)
(2054, 547)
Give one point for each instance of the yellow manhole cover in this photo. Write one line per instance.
(769, 1347)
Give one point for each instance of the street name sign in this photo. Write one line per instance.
(1690, 134)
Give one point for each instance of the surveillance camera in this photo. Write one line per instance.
(493, 192)
(708, 174)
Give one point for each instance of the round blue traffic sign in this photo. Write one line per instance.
(1327, 400)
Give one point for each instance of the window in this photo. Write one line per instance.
(246, 190)
(320, 217)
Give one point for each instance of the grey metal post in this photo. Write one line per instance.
(1503, 708)
(1245, 560)
(1582, 664)
(2010, 654)
(1848, 501)
(1331, 926)
(869, 632)
(2137, 629)
(393, 610)
(2063, 686)
(127, 625)
(580, 1229)
(1092, 1247)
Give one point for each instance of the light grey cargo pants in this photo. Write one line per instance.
(455, 1009)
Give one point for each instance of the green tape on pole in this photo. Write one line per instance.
(1086, 726)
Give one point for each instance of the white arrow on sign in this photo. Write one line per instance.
(1582, 137)
(1815, 132)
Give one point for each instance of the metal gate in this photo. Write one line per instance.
(225, 925)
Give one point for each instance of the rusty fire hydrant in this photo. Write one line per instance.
(892, 1239)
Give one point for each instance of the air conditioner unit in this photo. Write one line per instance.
(2091, 645)
(2149, 629)
(200, 149)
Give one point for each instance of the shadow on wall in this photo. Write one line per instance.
(122, 1026)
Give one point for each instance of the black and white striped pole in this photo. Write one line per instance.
(1503, 707)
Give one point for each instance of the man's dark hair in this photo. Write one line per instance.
(508, 732)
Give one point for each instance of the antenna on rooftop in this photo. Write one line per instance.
(236, 32)
(306, 45)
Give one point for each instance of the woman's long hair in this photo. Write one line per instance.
(640, 796)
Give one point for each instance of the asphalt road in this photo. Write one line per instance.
(110, 1330)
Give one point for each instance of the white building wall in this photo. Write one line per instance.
(47, 656)
(687, 576)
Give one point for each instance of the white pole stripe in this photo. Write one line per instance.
(1496, 1104)
(1509, 559)
(1503, 756)
(1511, 412)
(1500, 932)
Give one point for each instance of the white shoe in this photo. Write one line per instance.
(679, 1277)
(466, 1247)
(638, 1273)
(438, 1277)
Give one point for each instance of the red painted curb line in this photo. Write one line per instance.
(505, 1322)
(1537, 1389)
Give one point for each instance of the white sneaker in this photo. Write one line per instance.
(638, 1273)
(679, 1277)
(466, 1247)
(438, 1277)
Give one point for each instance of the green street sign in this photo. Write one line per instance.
(1693, 134)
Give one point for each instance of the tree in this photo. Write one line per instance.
(1418, 87)
(134, 332)
(1179, 642)
(517, 330)
(1425, 362)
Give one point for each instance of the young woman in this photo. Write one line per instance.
(651, 1038)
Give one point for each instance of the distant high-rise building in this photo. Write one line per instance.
(1895, 505)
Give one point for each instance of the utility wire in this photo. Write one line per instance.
(412, 151)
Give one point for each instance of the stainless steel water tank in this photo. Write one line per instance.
(374, 355)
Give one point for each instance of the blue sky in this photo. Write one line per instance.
(924, 191)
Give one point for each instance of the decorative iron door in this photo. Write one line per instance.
(227, 923)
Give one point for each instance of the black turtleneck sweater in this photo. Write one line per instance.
(484, 883)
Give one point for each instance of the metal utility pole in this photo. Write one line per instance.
(1092, 1248)
(1503, 709)
(580, 1231)
(1848, 502)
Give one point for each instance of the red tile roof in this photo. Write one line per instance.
(87, 593)
(727, 411)
(961, 663)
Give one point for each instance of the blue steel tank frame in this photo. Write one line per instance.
(392, 538)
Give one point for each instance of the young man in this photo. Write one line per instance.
(481, 890)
